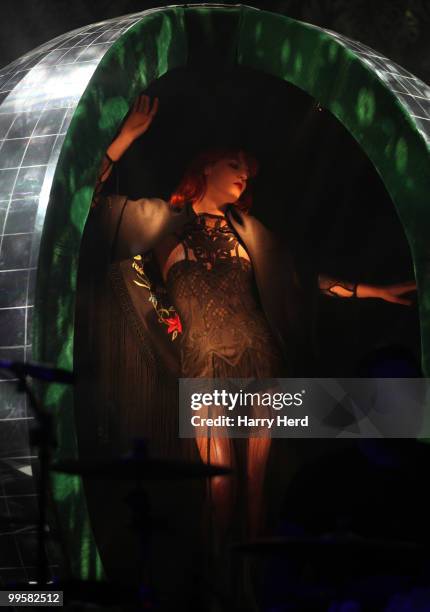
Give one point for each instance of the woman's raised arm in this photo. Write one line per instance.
(132, 227)
(137, 122)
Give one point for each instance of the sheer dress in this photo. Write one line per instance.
(225, 335)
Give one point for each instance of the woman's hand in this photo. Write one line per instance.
(140, 117)
(389, 293)
(136, 124)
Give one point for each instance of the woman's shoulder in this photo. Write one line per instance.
(153, 202)
(162, 205)
(111, 197)
(116, 202)
(151, 209)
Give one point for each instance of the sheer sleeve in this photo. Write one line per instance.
(105, 172)
(334, 287)
(133, 227)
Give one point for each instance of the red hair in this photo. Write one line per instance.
(193, 184)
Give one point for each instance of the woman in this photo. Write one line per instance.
(234, 301)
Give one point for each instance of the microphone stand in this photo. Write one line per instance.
(41, 437)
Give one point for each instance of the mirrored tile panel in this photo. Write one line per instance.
(411, 92)
(38, 96)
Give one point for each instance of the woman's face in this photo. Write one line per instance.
(226, 179)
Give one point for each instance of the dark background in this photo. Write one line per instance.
(398, 28)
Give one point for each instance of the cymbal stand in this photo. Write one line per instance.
(41, 437)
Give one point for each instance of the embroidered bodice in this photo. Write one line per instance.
(213, 290)
(210, 241)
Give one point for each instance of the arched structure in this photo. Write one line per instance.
(77, 89)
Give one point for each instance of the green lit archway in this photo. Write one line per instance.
(348, 79)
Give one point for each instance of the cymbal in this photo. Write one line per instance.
(331, 542)
(138, 468)
(39, 371)
(321, 567)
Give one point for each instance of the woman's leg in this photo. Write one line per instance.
(219, 451)
(221, 499)
(258, 453)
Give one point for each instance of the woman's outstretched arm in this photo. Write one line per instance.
(343, 289)
(138, 121)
